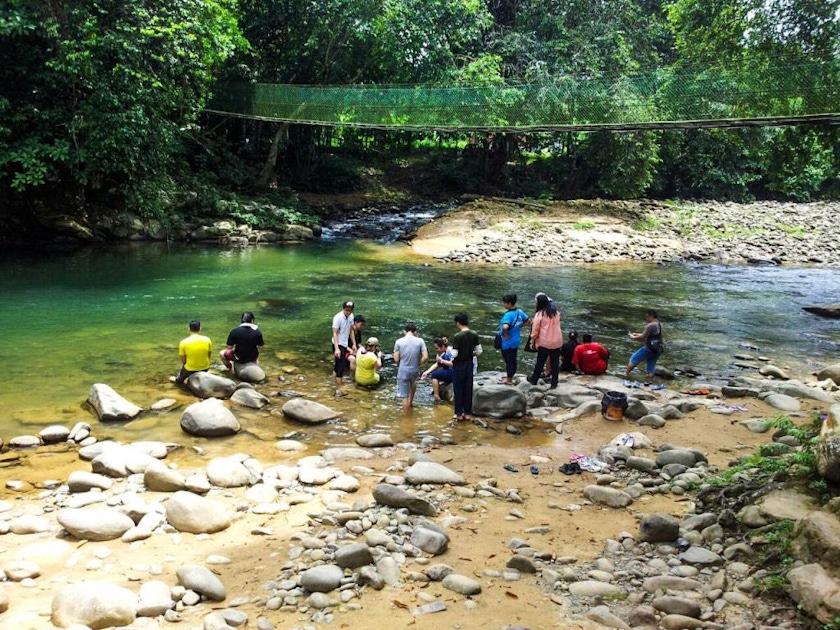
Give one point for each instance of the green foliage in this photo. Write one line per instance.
(98, 93)
(622, 165)
(797, 462)
(798, 162)
(583, 225)
(333, 173)
(648, 223)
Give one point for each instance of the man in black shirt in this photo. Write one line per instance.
(243, 343)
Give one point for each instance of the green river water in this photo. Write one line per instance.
(115, 315)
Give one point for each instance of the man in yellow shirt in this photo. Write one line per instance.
(194, 352)
(368, 363)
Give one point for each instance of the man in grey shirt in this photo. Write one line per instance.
(409, 354)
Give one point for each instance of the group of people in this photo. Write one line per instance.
(243, 346)
(455, 363)
(546, 339)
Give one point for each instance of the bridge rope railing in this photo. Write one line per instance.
(656, 99)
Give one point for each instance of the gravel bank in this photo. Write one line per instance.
(501, 232)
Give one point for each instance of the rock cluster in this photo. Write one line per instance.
(757, 233)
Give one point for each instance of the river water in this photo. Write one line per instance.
(115, 315)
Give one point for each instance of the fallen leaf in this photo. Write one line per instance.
(399, 604)
(511, 595)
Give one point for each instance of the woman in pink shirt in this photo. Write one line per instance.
(546, 339)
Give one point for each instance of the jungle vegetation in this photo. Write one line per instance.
(101, 100)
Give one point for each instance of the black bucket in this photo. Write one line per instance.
(613, 405)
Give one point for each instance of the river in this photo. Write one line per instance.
(115, 315)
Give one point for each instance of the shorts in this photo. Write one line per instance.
(444, 376)
(342, 363)
(405, 385)
(645, 354)
(229, 355)
(373, 385)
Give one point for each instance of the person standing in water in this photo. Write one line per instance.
(465, 345)
(652, 348)
(343, 343)
(510, 327)
(409, 354)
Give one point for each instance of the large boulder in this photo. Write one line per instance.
(209, 418)
(396, 497)
(829, 310)
(420, 473)
(207, 385)
(249, 372)
(830, 371)
(94, 523)
(110, 406)
(828, 447)
(188, 512)
(499, 401)
(250, 398)
(309, 411)
(571, 396)
(95, 605)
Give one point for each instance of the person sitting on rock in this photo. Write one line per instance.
(567, 352)
(590, 357)
(368, 363)
(243, 343)
(195, 353)
(441, 371)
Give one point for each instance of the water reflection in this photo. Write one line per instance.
(115, 315)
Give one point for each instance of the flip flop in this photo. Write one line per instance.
(511, 468)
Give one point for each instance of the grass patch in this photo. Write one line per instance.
(584, 225)
(647, 224)
(729, 232)
(793, 230)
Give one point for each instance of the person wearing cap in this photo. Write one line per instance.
(368, 363)
(409, 354)
(195, 353)
(441, 371)
(243, 342)
(343, 343)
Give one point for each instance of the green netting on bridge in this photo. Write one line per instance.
(662, 98)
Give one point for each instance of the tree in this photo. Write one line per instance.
(97, 94)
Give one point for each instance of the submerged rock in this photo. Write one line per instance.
(110, 406)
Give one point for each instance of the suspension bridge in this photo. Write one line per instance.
(805, 93)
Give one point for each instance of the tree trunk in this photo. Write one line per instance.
(271, 161)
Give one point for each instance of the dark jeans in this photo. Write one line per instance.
(553, 356)
(462, 387)
(184, 374)
(510, 361)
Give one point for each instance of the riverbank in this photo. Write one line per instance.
(544, 549)
(586, 231)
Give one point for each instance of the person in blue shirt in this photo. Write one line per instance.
(510, 327)
(441, 371)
